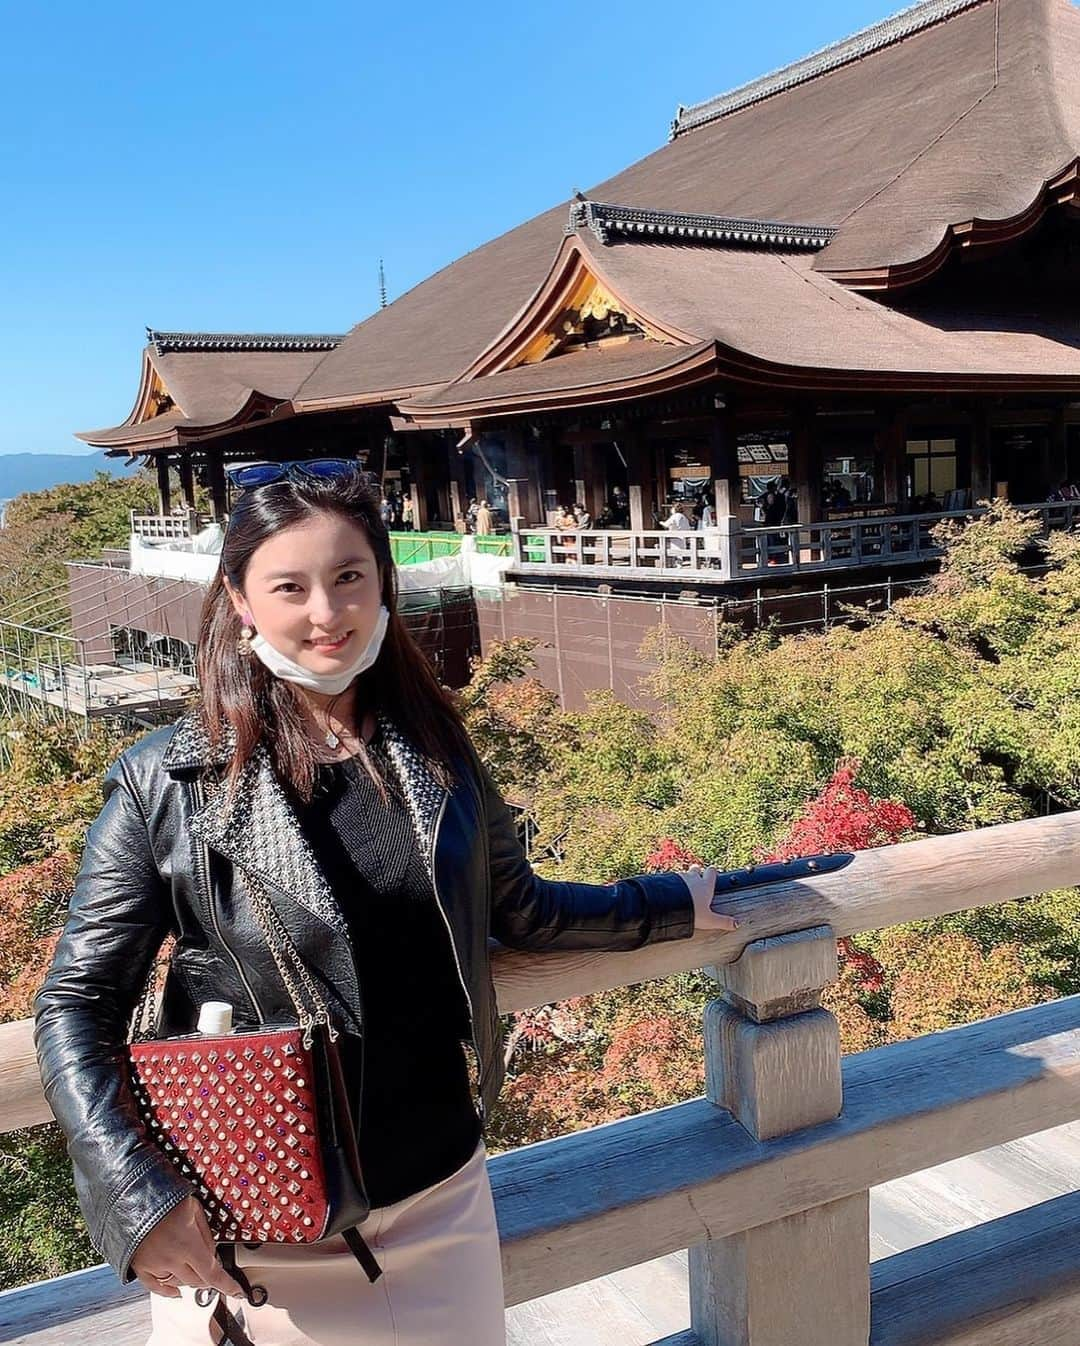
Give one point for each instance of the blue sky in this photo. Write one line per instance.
(238, 167)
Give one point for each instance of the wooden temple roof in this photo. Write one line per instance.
(954, 124)
(792, 224)
(195, 383)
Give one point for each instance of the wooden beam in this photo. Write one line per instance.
(892, 443)
(164, 490)
(982, 487)
(591, 1203)
(724, 464)
(415, 444)
(641, 478)
(215, 471)
(1012, 1281)
(187, 479)
(521, 472)
(806, 466)
(459, 496)
(773, 1061)
(881, 887)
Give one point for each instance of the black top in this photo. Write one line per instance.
(417, 1122)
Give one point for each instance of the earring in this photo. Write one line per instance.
(244, 642)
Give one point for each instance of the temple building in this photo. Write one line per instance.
(860, 274)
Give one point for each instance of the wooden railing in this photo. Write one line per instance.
(166, 527)
(731, 551)
(766, 1179)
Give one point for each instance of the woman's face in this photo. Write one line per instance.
(313, 591)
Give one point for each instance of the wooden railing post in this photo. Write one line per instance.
(729, 528)
(773, 1060)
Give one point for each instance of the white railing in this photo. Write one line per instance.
(731, 551)
(766, 1179)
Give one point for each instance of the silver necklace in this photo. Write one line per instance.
(333, 740)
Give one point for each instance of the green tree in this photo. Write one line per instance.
(43, 529)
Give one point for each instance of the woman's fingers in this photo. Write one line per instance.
(211, 1275)
(158, 1285)
(701, 880)
(180, 1250)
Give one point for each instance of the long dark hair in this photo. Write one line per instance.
(239, 691)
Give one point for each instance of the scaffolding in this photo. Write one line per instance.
(47, 672)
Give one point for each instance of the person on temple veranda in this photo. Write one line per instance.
(485, 520)
(320, 747)
(679, 521)
(775, 512)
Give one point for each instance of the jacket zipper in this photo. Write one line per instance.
(457, 960)
(203, 852)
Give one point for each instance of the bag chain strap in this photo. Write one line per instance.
(297, 978)
(308, 1000)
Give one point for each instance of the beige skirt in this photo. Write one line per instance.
(441, 1283)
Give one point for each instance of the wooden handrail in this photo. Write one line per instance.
(882, 887)
(590, 1203)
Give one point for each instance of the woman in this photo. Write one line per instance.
(568, 521)
(776, 544)
(326, 763)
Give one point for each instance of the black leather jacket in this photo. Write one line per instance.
(167, 856)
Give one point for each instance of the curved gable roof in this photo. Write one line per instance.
(194, 382)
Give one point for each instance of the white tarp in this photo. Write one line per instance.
(197, 559)
(175, 560)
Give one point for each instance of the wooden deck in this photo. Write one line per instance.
(641, 1304)
(103, 689)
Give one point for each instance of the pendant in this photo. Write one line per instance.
(332, 739)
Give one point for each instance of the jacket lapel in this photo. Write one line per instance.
(257, 829)
(423, 792)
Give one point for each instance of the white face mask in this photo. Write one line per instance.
(330, 683)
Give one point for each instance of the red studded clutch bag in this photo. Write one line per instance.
(237, 1115)
(259, 1122)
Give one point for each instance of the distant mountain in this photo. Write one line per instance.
(38, 471)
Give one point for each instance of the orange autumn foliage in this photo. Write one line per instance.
(947, 979)
(32, 902)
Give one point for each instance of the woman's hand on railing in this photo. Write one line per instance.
(702, 884)
(179, 1250)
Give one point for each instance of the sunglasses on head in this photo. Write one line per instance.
(300, 469)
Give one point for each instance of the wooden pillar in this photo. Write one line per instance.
(588, 483)
(524, 478)
(641, 476)
(187, 480)
(418, 486)
(548, 474)
(892, 442)
(982, 487)
(1057, 465)
(773, 1060)
(724, 466)
(164, 490)
(807, 466)
(459, 496)
(215, 471)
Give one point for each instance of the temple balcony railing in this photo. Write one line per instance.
(766, 1179)
(178, 526)
(733, 552)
